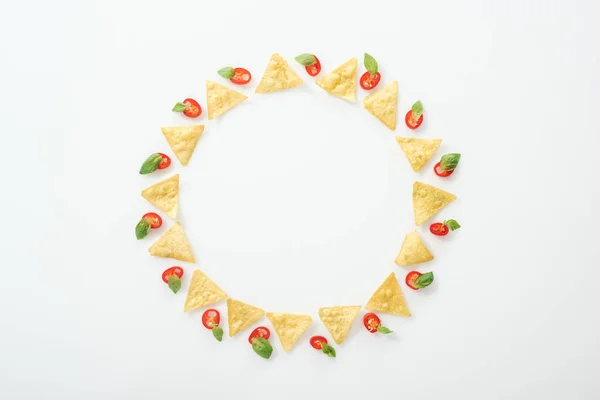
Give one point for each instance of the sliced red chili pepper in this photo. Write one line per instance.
(241, 76)
(211, 318)
(317, 342)
(368, 81)
(371, 322)
(314, 69)
(411, 278)
(193, 109)
(439, 229)
(440, 172)
(261, 331)
(177, 271)
(411, 122)
(164, 162)
(154, 219)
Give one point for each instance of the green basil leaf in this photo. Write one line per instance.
(371, 64)
(142, 228)
(262, 347)
(327, 349)
(417, 110)
(226, 72)
(174, 283)
(179, 107)
(306, 59)
(217, 332)
(151, 164)
(452, 224)
(424, 280)
(449, 162)
(384, 330)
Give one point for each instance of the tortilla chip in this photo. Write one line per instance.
(164, 195)
(341, 81)
(418, 151)
(383, 104)
(182, 140)
(278, 76)
(202, 292)
(221, 99)
(413, 251)
(173, 244)
(289, 327)
(338, 320)
(388, 298)
(241, 315)
(428, 200)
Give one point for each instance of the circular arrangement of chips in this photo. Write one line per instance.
(427, 201)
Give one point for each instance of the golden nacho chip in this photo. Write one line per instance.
(278, 76)
(164, 195)
(428, 200)
(418, 151)
(241, 315)
(388, 298)
(341, 81)
(221, 99)
(413, 251)
(202, 292)
(289, 327)
(383, 104)
(173, 244)
(182, 140)
(338, 320)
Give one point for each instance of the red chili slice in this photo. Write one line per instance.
(211, 318)
(411, 122)
(368, 81)
(371, 322)
(154, 219)
(177, 271)
(439, 229)
(411, 278)
(440, 172)
(261, 331)
(314, 69)
(165, 162)
(317, 342)
(241, 76)
(193, 109)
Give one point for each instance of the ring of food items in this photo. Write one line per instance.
(428, 201)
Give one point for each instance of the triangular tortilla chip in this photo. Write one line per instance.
(388, 298)
(173, 244)
(164, 195)
(241, 315)
(418, 151)
(202, 292)
(278, 76)
(221, 99)
(342, 80)
(182, 140)
(428, 200)
(289, 327)
(338, 320)
(383, 104)
(413, 251)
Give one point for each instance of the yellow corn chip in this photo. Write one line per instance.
(289, 327)
(173, 244)
(221, 99)
(241, 315)
(428, 200)
(413, 251)
(388, 298)
(418, 151)
(164, 195)
(383, 104)
(202, 292)
(278, 76)
(342, 80)
(338, 320)
(182, 140)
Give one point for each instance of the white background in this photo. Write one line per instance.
(298, 200)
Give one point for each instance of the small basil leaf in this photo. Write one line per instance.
(217, 332)
(306, 59)
(417, 110)
(174, 283)
(142, 228)
(226, 72)
(384, 330)
(452, 224)
(371, 64)
(424, 280)
(262, 347)
(179, 107)
(151, 164)
(327, 349)
(449, 162)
